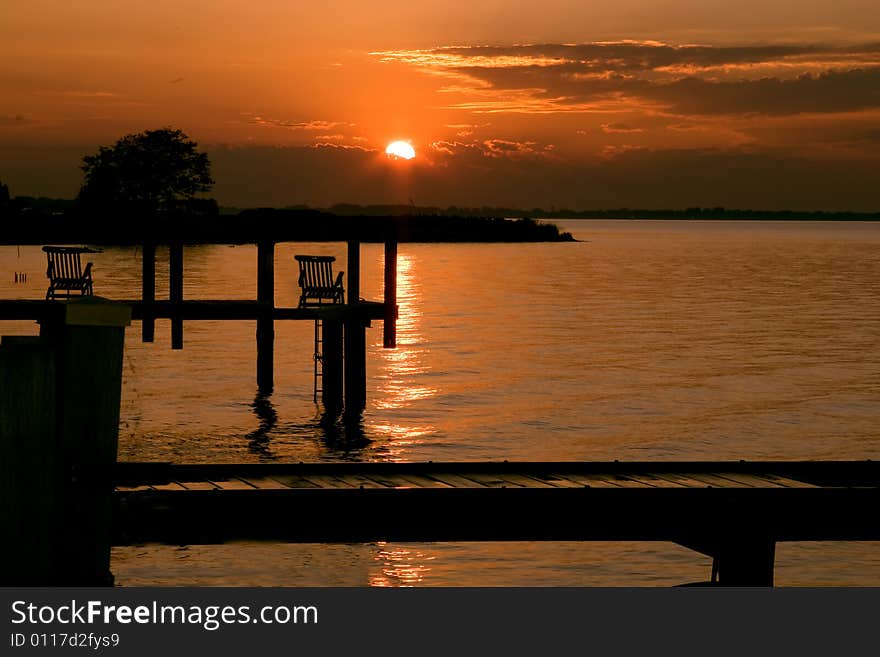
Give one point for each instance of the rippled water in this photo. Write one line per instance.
(646, 340)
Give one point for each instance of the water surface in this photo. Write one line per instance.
(646, 340)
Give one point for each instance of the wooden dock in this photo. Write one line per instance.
(734, 512)
(342, 366)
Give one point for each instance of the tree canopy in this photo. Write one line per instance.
(146, 172)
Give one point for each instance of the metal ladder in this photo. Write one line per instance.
(318, 358)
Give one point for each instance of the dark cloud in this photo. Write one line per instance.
(827, 92)
(462, 174)
(699, 80)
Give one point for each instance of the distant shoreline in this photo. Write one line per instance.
(269, 225)
(46, 221)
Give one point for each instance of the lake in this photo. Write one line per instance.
(645, 340)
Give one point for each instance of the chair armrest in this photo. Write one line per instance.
(338, 282)
(87, 272)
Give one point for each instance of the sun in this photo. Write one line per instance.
(401, 149)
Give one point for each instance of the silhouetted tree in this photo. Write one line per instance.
(4, 196)
(145, 173)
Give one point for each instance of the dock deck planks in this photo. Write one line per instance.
(697, 504)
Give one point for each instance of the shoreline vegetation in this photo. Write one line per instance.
(28, 220)
(39, 221)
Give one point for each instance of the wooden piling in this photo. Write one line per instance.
(175, 292)
(148, 292)
(265, 322)
(355, 367)
(354, 271)
(355, 338)
(746, 561)
(30, 476)
(331, 367)
(389, 328)
(90, 347)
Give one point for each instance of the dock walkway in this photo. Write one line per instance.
(733, 511)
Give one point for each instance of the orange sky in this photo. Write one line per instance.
(623, 102)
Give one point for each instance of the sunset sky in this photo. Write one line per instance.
(566, 103)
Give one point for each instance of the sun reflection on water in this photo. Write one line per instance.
(400, 566)
(403, 367)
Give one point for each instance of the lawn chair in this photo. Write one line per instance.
(65, 271)
(316, 281)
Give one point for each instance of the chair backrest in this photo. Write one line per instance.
(315, 271)
(64, 262)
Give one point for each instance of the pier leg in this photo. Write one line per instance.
(355, 368)
(88, 346)
(354, 271)
(175, 294)
(266, 322)
(331, 368)
(746, 563)
(355, 365)
(30, 477)
(389, 328)
(148, 292)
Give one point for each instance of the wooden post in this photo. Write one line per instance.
(354, 271)
(746, 562)
(30, 477)
(331, 367)
(355, 367)
(389, 328)
(266, 322)
(355, 362)
(87, 345)
(175, 293)
(89, 387)
(148, 292)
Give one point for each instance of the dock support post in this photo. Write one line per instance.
(389, 327)
(30, 475)
(266, 321)
(745, 562)
(355, 368)
(175, 293)
(331, 368)
(355, 364)
(89, 374)
(148, 292)
(354, 271)
(59, 428)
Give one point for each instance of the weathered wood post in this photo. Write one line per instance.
(389, 327)
(354, 271)
(355, 352)
(266, 321)
(331, 367)
(59, 425)
(148, 292)
(175, 293)
(30, 477)
(89, 345)
(746, 561)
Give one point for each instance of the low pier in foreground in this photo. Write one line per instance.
(734, 512)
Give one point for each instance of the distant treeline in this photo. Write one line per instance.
(615, 213)
(42, 221)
